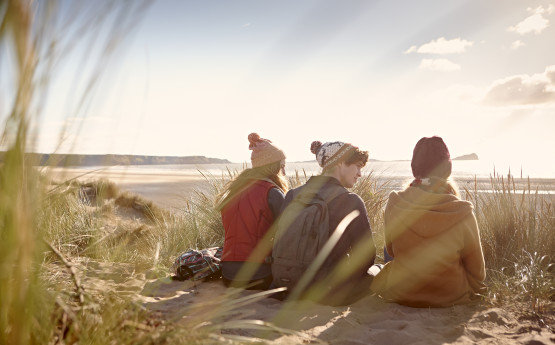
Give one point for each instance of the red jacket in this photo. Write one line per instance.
(246, 219)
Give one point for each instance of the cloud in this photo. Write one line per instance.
(439, 65)
(535, 23)
(517, 44)
(246, 25)
(441, 46)
(523, 89)
(550, 74)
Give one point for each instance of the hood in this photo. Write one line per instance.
(426, 214)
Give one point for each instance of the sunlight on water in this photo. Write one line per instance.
(397, 169)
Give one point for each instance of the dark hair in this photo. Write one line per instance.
(357, 156)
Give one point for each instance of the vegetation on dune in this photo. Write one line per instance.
(515, 235)
(516, 226)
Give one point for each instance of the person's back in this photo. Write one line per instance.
(249, 205)
(432, 236)
(246, 219)
(342, 171)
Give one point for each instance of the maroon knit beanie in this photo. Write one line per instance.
(431, 158)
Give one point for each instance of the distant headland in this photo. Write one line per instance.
(66, 160)
(469, 157)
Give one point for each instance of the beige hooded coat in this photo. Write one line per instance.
(438, 258)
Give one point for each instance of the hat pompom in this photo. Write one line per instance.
(263, 151)
(253, 138)
(315, 146)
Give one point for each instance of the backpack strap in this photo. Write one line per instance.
(315, 190)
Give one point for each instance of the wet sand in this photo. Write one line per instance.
(171, 188)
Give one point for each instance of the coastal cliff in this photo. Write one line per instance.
(65, 160)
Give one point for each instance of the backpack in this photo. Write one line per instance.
(302, 231)
(198, 264)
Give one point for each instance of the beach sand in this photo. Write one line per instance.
(168, 190)
(369, 321)
(171, 188)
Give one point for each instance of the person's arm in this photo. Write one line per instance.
(472, 255)
(359, 233)
(275, 201)
(387, 232)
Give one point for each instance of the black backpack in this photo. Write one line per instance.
(302, 231)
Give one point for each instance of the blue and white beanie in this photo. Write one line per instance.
(330, 153)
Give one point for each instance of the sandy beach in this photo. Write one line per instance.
(168, 189)
(171, 188)
(368, 321)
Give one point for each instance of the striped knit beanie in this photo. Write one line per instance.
(263, 151)
(330, 153)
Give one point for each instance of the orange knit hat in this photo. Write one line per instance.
(263, 151)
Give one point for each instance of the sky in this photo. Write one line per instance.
(196, 77)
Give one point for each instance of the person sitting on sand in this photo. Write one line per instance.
(432, 236)
(249, 205)
(341, 167)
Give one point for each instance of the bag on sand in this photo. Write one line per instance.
(302, 231)
(198, 264)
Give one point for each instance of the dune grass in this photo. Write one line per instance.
(516, 235)
(517, 224)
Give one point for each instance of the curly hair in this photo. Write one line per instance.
(357, 156)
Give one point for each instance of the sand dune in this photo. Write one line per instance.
(369, 321)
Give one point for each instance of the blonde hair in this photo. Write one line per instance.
(269, 172)
(437, 185)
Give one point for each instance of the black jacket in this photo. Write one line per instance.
(358, 231)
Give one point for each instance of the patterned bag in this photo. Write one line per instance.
(198, 264)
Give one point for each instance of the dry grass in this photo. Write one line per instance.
(81, 229)
(516, 226)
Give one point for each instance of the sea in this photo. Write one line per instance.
(398, 173)
(392, 169)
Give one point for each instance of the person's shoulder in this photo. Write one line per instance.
(294, 191)
(267, 183)
(395, 195)
(276, 192)
(350, 198)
